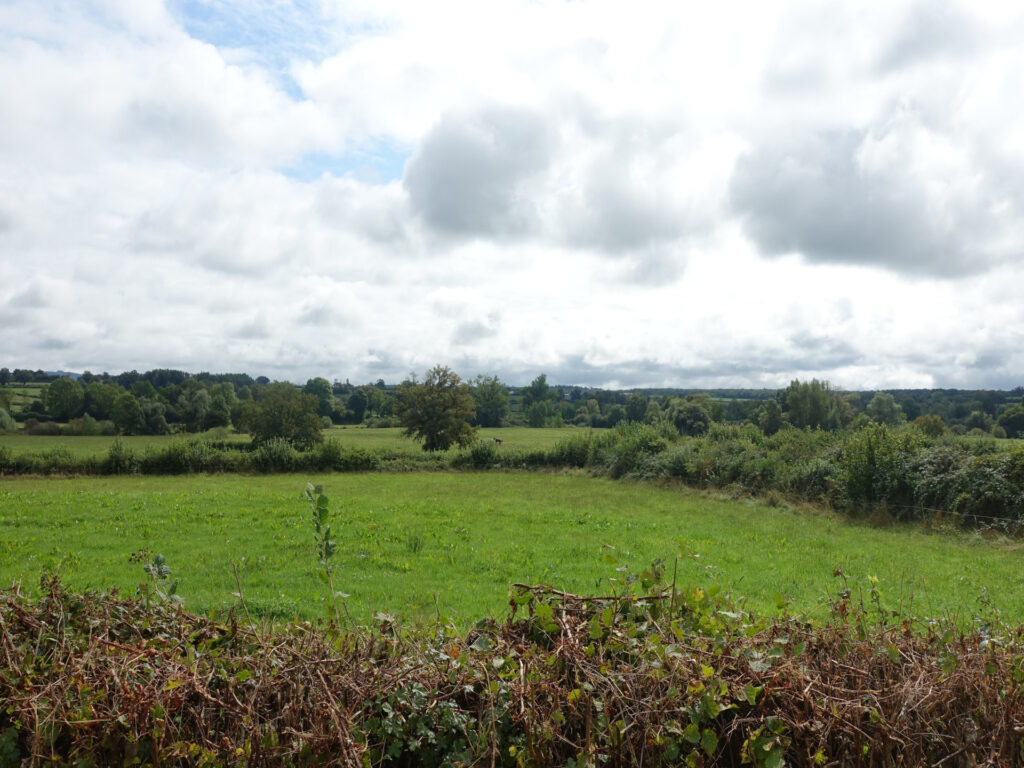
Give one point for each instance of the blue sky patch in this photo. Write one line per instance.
(378, 163)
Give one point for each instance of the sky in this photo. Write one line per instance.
(642, 194)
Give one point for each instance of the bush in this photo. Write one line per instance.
(332, 455)
(7, 423)
(184, 457)
(876, 465)
(85, 426)
(572, 450)
(620, 450)
(483, 454)
(274, 455)
(121, 460)
(44, 428)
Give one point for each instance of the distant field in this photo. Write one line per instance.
(359, 437)
(419, 543)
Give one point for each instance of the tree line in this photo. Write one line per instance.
(162, 401)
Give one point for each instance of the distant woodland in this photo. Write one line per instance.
(164, 401)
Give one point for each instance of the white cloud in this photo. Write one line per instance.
(637, 194)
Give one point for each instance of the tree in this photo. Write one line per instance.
(287, 413)
(64, 399)
(99, 399)
(883, 410)
(192, 407)
(438, 411)
(537, 392)
(320, 388)
(692, 419)
(929, 424)
(1012, 420)
(770, 417)
(636, 406)
(127, 415)
(357, 403)
(491, 400)
(808, 403)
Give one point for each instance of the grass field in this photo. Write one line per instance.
(358, 437)
(415, 544)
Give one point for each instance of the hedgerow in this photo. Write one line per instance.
(901, 471)
(649, 674)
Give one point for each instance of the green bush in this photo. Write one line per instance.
(121, 460)
(877, 466)
(621, 450)
(331, 455)
(185, 457)
(481, 455)
(274, 455)
(572, 450)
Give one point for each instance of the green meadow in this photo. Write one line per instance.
(389, 439)
(448, 544)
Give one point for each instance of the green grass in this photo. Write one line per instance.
(413, 544)
(356, 437)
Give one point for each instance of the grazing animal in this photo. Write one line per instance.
(497, 440)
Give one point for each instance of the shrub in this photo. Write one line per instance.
(480, 455)
(121, 460)
(183, 457)
(332, 455)
(46, 428)
(620, 450)
(274, 455)
(572, 450)
(876, 465)
(7, 423)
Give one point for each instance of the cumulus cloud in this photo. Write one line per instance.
(649, 198)
(471, 174)
(902, 198)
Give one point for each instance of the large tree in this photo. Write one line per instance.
(883, 410)
(1012, 420)
(491, 400)
(286, 412)
(64, 399)
(437, 411)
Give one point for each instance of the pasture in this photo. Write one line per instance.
(423, 545)
(389, 439)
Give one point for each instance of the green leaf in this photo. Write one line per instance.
(709, 741)
(692, 733)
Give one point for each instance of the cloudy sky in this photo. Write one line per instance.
(617, 194)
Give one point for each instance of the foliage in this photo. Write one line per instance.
(1012, 420)
(63, 398)
(274, 455)
(438, 410)
(648, 672)
(883, 410)
(121, 460)
(620, 451)
(7, 423)
(690, 418)
(288, 414)
(877, 466)
(326, 546)
(808, 403)
(929, 425)
(490, 398)
(126, 413)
